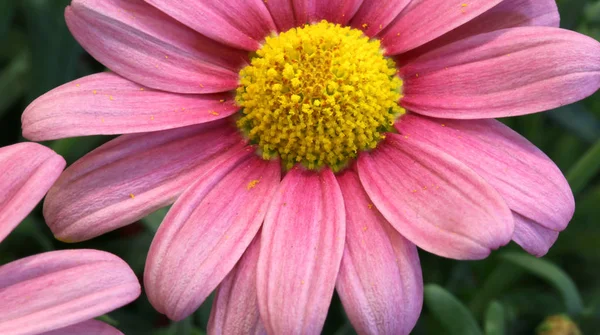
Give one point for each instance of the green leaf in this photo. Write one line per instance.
(454, 316)
(153, 221)
(12, 81)
(585, 169)
(494, 319)
(578, 120)
(553, 275)
(504, 276)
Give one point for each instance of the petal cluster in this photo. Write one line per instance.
(275, 245)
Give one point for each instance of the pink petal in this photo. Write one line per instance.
(525, 177)
(89, 327)
(282, 12)
(533, 237)
(301, 249)
(380, 282)
(235, 308)
(132, 176)
(434, 200)
(28, 171)
(142, 44)
(240, 24)
(207, 231)
(335, 11)
(375, 15)
(507, 14)
(424, 20)
(60, 288)
(503, 73)
(106, 104)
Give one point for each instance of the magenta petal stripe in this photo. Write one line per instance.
(130, 177)
(301, 249)
(60, 288)
(283, 14)
(380, 282)
(335, 11)
(90, 327)
(28, 171)
(533, 237)
(240, 24)
(435, 201)
(106, 104)
(142, 44)
(375, 15)
(530, 183)
(507, 14)
(207, 231)
(424, 20)
(493, 75)
(235, 308)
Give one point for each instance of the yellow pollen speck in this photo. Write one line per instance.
(318, 95)
(370, 206)
(95, 92)
(131, 196)
(77, 85)
(201, 85)
(222, 100)
(141, 89)
(302, 282)
(102, 120)
(151, 117)
(364, 25)
(443, 125)
(365, 228)
(252, 184)
(111, 98)
(214, 113)
(166, 57)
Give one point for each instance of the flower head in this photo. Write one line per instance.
(310, 145)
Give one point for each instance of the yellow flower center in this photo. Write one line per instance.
(318, 95)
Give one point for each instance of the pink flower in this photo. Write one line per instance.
(276, 242)
(56, 292)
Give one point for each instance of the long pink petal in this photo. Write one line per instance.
(424, 20)
(507, 14)
(28, 171)
(235, 308)
(142, 44)
(106, 104)
(240, 24)
(301, 249)
(434, 200)
(207, 231)
(90, 327)
(283, 14)
(503, 73)
(130, 177)
(380, 282)
(530, 183)
(533, 237)
(335, 11)
(375, 15)
(60, 288)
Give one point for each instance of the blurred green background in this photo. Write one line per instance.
(509, 293)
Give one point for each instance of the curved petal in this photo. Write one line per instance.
(533, 237)
(207, 231)
(106, 104)
(434, 200)
(424, 20)
(380, 282)
(240, 24)
(375, 15)
(525, 177)
(335, 11)
(503, 73)
(283, 14)
(235, 308)
(89, 327)
(142, 44)
(530, 183)
(28, 171)
(507, 14)
(60, 288)
(301, 249)
(131, 177)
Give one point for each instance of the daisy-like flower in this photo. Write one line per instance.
(309, 146)
(56, 292)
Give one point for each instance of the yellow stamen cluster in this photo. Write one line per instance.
(318, 95)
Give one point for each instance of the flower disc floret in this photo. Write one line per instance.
(318, 95)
